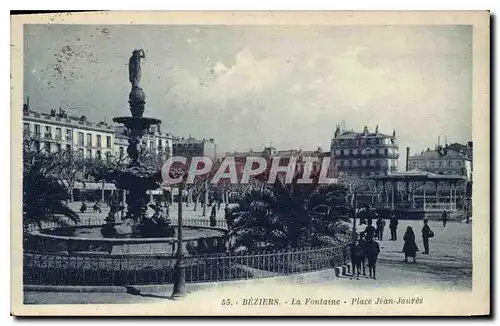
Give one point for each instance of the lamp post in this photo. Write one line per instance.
(179, 268)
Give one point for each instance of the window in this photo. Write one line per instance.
(121, 151)
(372, 162)
(89, 153)
(341, 163)
(68, 147)
(98, 154)
(80, 139)
(377, 141)
(26, 128)
(450, 163)
(108, 141)
(338, 152)
(37, 130)
(363, 162)
(47, 147)
(386, 152)
(108, 155)
(355, 151)
(98, 140)
(354, 163)
(363, 151)
(89, 139)
(69, 135)
(151, 146)
(48, 129)
(160, 142)
(440, 163)
(459, 163)
(58, 134)
(80, 153)
(37, 145)
(58, 147)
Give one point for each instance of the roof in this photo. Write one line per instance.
(434, 154)
(356, 135)
(417, 175)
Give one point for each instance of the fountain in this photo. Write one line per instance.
(139, 233)
(138, 178)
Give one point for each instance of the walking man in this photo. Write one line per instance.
(356, 257)
(372, 250)
(362, 243)
(445, 218)
(426, 234)
(380, 228)
(393, 225)
(370, 231)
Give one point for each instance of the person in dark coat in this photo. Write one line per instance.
(213, 212)
(393, 225)
(410, 247)
(372, 249)
(83, 207)
(357, 255)
(370, 231)
(362, 243)
(380, 228)
(372, 214)
(426, 234)
(444, 216)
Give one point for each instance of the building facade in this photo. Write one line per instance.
(192, 147)
(269, 153)
(444, 160)
(364, 154)
(57, 131)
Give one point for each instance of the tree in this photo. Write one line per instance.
(43, 191)
(282, 216)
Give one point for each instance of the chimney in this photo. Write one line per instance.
(407, 158)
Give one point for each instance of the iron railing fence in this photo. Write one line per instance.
(81, 269)
(97, 221)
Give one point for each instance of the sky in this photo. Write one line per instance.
(248, 86)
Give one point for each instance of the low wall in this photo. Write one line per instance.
(38, 241)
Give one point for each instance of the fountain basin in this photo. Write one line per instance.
(141, 123)
(88, 239)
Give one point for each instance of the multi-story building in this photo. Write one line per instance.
(455, 159)
(364, 153)
(192, 147)
(270, 152)
(58, 131)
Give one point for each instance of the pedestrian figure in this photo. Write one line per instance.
(426, 234)
(369, 231)
(445, 218)
(393, 225)
(410, 247)
(83, 207)
(373, 213)
(380, 228)
(96, 208)
(213, 213)
(362, 243)
(356, 257)
(372, 249)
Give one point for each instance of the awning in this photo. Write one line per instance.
(94, 186)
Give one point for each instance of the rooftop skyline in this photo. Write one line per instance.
(247, 86)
